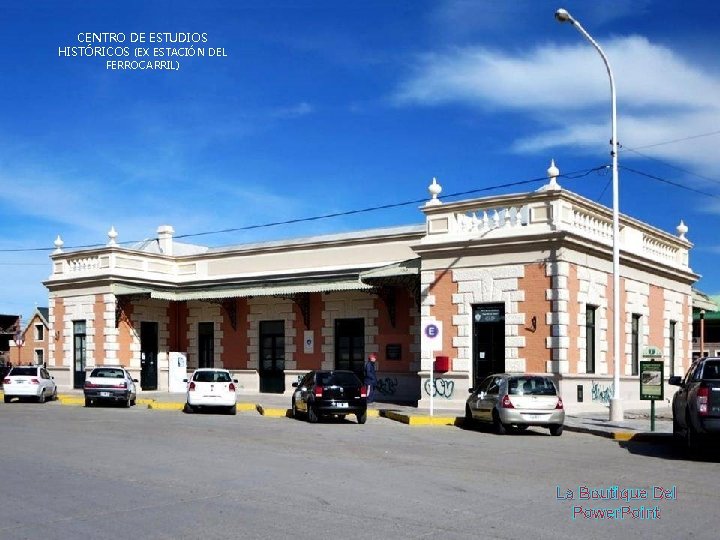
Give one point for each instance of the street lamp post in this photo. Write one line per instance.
(616, 411)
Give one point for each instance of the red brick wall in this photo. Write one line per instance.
(535, 283)
(399, 334)
(443, 288)
(125, 336)
(308, 361)
(177, 313)
(234, 341)
(99, 337)
(58, 331)
(656, 320)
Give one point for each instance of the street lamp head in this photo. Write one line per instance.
(562, 16)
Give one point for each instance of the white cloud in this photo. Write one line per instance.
(295, 111)
(661, 95)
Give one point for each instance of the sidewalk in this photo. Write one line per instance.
(635, 427)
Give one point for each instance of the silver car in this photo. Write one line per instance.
(516, 400)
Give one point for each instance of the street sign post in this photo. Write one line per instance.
(652, 377)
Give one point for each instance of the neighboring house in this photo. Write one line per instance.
(519, 282)
(35, 340)
(706, 325)
(9, 326)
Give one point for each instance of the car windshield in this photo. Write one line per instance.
(23, 371)
(108, 373)
(531, 386)
(338, 378)
(211, 376)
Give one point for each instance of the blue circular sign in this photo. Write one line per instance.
(431, 331)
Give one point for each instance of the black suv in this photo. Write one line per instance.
(324, 393)
(696, 405)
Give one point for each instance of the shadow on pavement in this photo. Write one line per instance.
(667, 449)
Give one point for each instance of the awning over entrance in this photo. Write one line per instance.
(277, 289)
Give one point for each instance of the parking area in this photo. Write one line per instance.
(141, 473)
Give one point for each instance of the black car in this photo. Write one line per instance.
(333, 392)
(696, 405)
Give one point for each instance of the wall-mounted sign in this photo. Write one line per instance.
(309, 342)
(393, 351)
(487, 314)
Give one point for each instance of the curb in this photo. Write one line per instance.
(413, 420)
(622, 436)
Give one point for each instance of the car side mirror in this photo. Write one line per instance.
(135, 380)
(471, 390)
(184, 380)
(294, 385)
(236, 381)
(675, 380)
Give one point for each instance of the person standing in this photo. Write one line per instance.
(370, 377)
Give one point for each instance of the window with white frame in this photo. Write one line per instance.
(39, 332)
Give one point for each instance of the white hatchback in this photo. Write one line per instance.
(29, 382)
(211, 387)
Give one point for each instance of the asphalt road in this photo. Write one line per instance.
(71, 472)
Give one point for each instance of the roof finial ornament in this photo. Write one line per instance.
(553, 172)
(435, 189)
(58, 244)
(112, 235)
(682, 230)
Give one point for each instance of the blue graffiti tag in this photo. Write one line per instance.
(443, 388)
(602, 394)
(387, 386)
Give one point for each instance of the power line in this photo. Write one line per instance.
(670, 182)
(570, 176)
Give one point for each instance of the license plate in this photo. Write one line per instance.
(104, 394)
(341, 405)
(533, 416)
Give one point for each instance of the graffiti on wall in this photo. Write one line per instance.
(602, 393)
(442, 388)
(387, 386)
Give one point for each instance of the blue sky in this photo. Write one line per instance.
(328, 106)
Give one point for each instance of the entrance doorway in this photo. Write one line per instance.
(272, 357)
(206, 345)
(488, 341)
(350, 345)
(79, 352)
(148, 355)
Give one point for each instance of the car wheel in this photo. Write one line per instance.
(294, 409)
(556, 430)
(127, 402)
(312, 415)
(678, 438)
(469, 420)
(6, 399)
(691, 437)
(54, 395)
(362, 417)
(41, 397)
(232, 410)
(188, 409)
(88, 402)
(500, 428)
